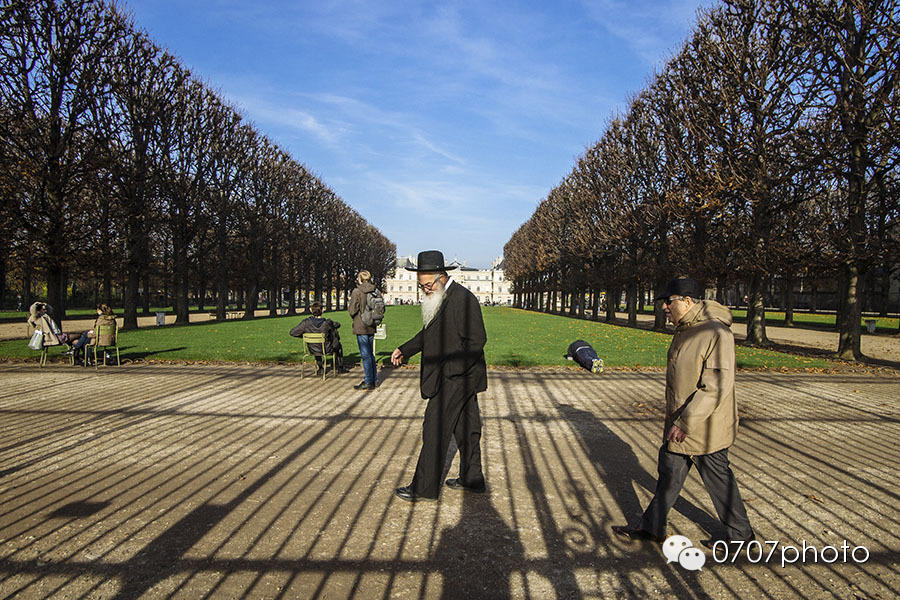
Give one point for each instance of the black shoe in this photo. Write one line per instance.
(364, 386)
(710, 543)
(406, 493)
(455, 484)
(633, 533)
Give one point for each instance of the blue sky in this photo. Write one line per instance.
(442, 123)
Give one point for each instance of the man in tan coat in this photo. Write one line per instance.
(701, 414)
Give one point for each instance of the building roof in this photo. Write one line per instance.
(405, 262)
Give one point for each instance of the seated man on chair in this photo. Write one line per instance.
(318, 324)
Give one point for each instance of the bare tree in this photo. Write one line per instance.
(857, 50)
(52, 54)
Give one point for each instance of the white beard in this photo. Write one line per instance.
(431, 304)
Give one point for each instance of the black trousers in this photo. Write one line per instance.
(453, 412)
(719, 482)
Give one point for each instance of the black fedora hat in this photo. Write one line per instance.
(430, 261)
(682, 286)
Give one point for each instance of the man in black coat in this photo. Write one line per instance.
(453, 371)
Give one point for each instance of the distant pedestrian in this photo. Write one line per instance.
(452, 373)
(701, 414)
(365, 333)
(19, 305)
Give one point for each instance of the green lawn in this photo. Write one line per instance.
(515, 338)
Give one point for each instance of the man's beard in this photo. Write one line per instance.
(431, 304)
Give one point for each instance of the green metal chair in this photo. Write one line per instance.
(107, 332)
(317, 338)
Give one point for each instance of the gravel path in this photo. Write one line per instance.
(168, 481)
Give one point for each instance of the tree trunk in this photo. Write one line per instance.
(130, 299)
(659, 314)
(849, 323)
(631, 304)
(180, 281)
(252, 299)
(56, 291)
(292, 285)
(27, 297)
(146, 297)
(885, 292)
(221, 271)
(328, 286)
(756, 313)
(788, 301)
(612, 303)
(4, 252)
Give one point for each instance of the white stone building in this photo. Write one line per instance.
(488, 285)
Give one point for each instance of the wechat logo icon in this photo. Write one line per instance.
(680, 549)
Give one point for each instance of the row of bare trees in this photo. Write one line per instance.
(121, 170)
(765, 150)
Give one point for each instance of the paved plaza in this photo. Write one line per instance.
(172, 481)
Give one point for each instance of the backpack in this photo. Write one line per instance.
(373, 313)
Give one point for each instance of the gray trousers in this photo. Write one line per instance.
(718, 480)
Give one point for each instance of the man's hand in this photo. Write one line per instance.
(396, 357)
(676, 434)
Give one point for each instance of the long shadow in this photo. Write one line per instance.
(134, 411)
(823, 353)
(478, 555)
(160, 558)
(619, 468)
(126, 353)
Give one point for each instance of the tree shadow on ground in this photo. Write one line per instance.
(131, 352)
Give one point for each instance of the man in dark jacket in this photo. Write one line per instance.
(453, 371)
(318, 324)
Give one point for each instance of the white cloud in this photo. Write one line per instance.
(652, 29)
(291, 118)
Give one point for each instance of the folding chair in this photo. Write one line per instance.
(107, 332)
(317, 338)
